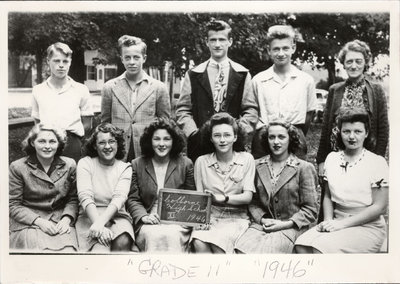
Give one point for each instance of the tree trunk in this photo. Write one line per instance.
(77, 71)
(39, 67)
(330, 66)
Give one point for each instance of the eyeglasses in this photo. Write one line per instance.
(110, 142)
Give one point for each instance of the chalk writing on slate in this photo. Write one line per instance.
(185, 207)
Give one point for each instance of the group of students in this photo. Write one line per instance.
(246, 138)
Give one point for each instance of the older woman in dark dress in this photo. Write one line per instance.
(357, 91)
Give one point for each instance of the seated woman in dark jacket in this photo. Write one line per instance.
(286, 202)
(43, 201)
(161, 166)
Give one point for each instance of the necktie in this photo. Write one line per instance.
(219, 90)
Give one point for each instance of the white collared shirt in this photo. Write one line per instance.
(290, 99)
(62, 108)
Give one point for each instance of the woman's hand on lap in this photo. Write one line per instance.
(46, 226)
(273, 225)
(151, 219)
(63, 226)
(96, 230)
(330, 226)
(106, 237)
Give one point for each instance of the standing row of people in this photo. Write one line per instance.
(269, 116)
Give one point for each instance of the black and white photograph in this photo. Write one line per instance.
(200, 141)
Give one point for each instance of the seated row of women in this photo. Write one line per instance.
(106, 205)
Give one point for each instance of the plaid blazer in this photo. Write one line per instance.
(295, 196)
(116, 108)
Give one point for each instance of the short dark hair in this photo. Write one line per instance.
(357, 46)
(127, 40)
(218, 119)
(218, 25)
(34, 132)
(280, 32)
(61, 47)
(178, 139)
(117, 133)
(294, 136)
(349, 114)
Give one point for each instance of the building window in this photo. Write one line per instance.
(100, 74)
(90, 73)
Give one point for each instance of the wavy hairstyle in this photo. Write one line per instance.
(280, 32)
(61, 47)
(127, 40)
(357, 46)
(117, 133)
(294, 137)
(218, 25)
(218, 119)
(352, 115)
(178, 139)
(26, 144)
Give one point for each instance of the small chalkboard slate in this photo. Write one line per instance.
(184, 207)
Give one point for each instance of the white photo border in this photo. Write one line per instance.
(144, 268)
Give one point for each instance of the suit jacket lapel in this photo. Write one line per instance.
(149, 168)
(121, 93)
(233, 83)
(144, 95)
(287, 173)
(205, 83)
(265, 177)
(41, 175)
(170, 169)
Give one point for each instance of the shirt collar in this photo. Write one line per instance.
(214, 63)
(145, 77)
(34, 162)
(292, 160)
(212, 159)
(70, 83)
(270, 73)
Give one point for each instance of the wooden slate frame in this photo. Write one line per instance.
(186, 195)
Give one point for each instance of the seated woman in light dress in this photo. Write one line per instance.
(42, 195)
(161, 166)
(286, 202)
(228, 175)
(103, 181)
(356, 193)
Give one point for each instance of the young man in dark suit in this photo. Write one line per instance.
(216, 85)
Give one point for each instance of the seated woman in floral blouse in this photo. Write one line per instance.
(286, 202)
